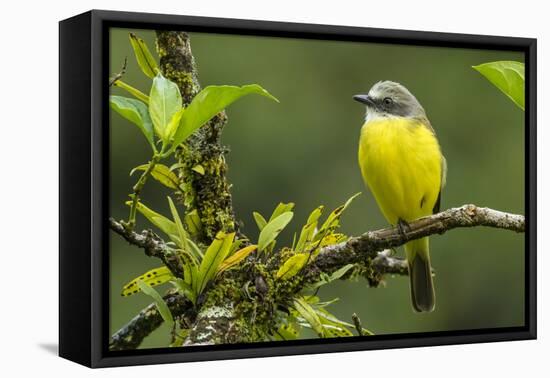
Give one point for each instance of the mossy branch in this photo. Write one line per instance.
(219, 322)
(208, 192)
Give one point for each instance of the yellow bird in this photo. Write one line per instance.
(402, 164)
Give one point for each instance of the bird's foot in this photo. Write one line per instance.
(403, 227)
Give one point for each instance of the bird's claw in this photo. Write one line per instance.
(403, 227)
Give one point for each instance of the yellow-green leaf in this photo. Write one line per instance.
(164, 102)
(163, 223)
(143, 56)
(333, 220)
(292, 266)
(182, 235)
(287, 332)
(133, 91)
(153, 277)
(280, 209)
(272, 229)
(237, 257)
(309, 315)
(260, 220)
(162, 174)
(199, 169)
(508, 76)
(193, 222)
(173, 124)
(160, 303)
(215, 254)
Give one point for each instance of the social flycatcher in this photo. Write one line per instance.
(402, 164)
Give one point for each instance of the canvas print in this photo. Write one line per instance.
(283, 190)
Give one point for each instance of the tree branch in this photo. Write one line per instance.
(207, 194)
(131, 335)
(152, 244)
(371, 252)
(367, 246)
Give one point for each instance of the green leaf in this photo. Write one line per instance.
(236, 258)
(164, 103)
(163, 223)
(199, 169)
(308, 231)
(281, 208)
(190, 272)
(133, 91)
(273, 229)
(308, 313)
(184, 288)
(182, 235)
(292, 266)
(153, 277)
(215, 254)
(508, 76)
(287, 332)
(333, 220)
(136, 112)
(209, 102)
(173, 124)
(162, 174)
(333, 277)
(161, 305)
(143, 56)
(193, 222)
(260, 220)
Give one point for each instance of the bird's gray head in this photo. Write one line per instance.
(388, 98)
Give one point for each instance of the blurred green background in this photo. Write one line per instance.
(304, 150)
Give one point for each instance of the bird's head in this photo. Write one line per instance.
(388, 98)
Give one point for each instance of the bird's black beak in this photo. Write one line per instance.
(364, 99)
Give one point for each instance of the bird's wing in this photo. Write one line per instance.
(437, 205)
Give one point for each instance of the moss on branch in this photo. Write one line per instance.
(206, 190)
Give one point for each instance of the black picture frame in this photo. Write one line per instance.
(83, 164)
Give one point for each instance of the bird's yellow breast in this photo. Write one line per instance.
(400, 161)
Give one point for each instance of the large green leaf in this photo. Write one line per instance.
(161, 305)
(273, 229)
(164, 103)
(209, 102)
(136, 112)
(215, 254)
(143, 56)
(508, 76)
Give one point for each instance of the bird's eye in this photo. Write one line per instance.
(388, 101)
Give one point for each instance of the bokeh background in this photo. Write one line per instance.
(304, 150)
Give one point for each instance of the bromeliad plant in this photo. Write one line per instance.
(298, 309)
(164, 121)
(166, 124)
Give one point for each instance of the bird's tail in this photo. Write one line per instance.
(420, 273)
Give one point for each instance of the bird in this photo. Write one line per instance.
(404, 168)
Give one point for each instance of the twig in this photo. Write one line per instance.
(151, 243)
(357, 324)
(119, 75)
